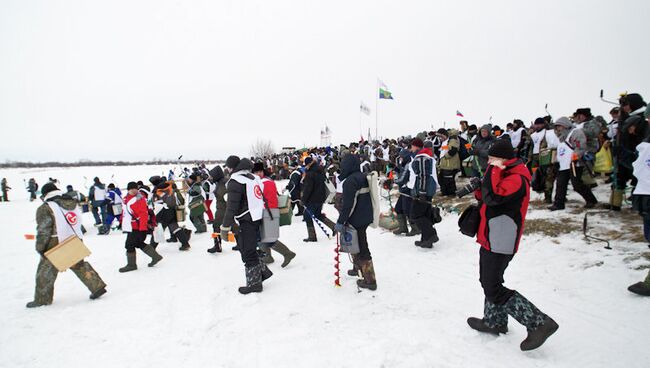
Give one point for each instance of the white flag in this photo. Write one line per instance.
(365, 109)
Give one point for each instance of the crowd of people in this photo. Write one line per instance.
(503, 167)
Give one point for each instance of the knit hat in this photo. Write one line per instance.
(69, 188)
(258, 166)
(501, 148)
(232, 162)
(539, 121)
(132, 185)
(565, 122)
(47, 188)
(417, 142)
(443, 131)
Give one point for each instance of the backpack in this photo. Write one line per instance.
(462, 148)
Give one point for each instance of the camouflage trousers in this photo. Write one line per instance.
(46, 275)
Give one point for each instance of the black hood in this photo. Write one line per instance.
(244, 164)
(349, 165)
(217, 173)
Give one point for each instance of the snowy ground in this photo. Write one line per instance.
(186, 311)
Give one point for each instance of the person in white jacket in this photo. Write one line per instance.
(641, 201)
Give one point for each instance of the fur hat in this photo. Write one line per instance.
(132, 185)
(47, 188)
(232, 162)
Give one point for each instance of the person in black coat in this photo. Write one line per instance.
(237, 207)
(357, 212)
(295, 188)
(314, 194)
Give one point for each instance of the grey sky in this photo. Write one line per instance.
(157, 78)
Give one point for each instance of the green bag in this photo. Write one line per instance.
(286, 214)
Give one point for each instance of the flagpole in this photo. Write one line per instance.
(377, 110)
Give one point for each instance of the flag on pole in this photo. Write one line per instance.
(384, 94)
(365, 109)
(458, 113)
(383, 91)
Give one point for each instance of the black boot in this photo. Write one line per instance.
(428, 243)
(97, 294)
(415, 230)
(494, 321)
(640, 288)
(151, 252)
(402, 227)
(311, 234)
(253, 280)
(540, 326)
(183, 236)
(301, 210)
(131, 264)
(266, 272)
(217, 245)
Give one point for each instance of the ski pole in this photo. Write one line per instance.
(320, 224)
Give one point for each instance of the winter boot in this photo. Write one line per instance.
(285, 252)
(415, 230)
(402, 227)
(540, 326)
(548, 198)
(131, 265)
(151, 252)
(253, 280)
(494, 321)
(97, 294)
(266, 272)
(368, 271)
(428, 243)
(354, 272)
(217, 245)
(183, 236)
(641, 288)
(301, 210)
(327, 222)
(267, 257)
(35, 304)
(311, 234)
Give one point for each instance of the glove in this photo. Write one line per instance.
(339, 228)
(224, 233)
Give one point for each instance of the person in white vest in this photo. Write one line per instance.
(57, 219)
(570, 150)
(245, 205)
(641, 202)
(97, 197)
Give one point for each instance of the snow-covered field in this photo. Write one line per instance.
(186, 311)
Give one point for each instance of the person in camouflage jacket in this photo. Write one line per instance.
(46, 238)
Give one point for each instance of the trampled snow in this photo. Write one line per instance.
(186, 311)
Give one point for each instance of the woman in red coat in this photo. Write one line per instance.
(270, 193)
(504, 195)
(135, 224)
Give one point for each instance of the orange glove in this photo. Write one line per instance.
(574, 157)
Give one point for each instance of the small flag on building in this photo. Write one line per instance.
(458, 113)
(365, 109)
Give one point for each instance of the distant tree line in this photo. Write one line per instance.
(23, 164)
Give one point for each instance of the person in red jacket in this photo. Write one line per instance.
(270, 193)
(134, 224)
(503, 198)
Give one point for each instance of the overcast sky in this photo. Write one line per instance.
(136, 79)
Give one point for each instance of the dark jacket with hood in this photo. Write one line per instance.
(357, 208)
(480, 149)
(237, 201)
(314, 189)
(219, 180)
